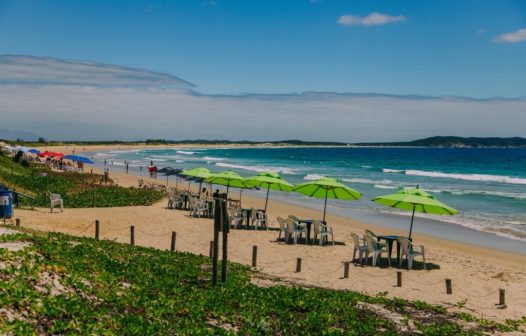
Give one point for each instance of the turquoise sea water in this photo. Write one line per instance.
(487, 185)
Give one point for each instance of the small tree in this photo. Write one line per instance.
(41, 140)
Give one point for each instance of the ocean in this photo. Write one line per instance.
(487, 185)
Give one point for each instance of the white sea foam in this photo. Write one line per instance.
(211, 158)
(312, 177)
(381, 186)
(386, 170)
(155, 159)
(184, 152)
(258, 169)
(465, 177)
(366, 166)
(519, 196)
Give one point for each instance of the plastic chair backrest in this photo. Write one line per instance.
(370, 233)
(281, 222)
(404, 245)
(371, 243)
(291, 225)
(294, 218)
(356, 240)
(317, 227)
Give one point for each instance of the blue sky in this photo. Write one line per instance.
(230, 47)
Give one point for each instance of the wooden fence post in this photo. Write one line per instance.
(132, 235)
(254, 256)
(346, 270)
(298, 265)
(172, 246)
(398, 279)
(97, 229)
(502, 297)
(449, 288)
(17, 221)
(211, 253)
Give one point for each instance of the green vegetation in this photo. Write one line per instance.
(68, 285)
(77, 190)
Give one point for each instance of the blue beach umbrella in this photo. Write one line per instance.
(33, 151)
(78, 158)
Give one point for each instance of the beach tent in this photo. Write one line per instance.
(415, 200)
(327, 187)
(269, 180)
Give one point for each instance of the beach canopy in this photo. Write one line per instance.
(415, 200)
(50, 153)
(78, 158)
(269, 180)
(227, 178)
(327, 187)
(33, 151)
(199, 173)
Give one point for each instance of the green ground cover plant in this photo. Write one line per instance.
(77, 190)
(69, 285)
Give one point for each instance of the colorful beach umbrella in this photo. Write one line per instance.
(33, 151)
(415, 200)
(327, 187)
(78, 158)
(269, 180)
(198, 174)
(228, 179)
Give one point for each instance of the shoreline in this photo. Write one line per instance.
(433, 227)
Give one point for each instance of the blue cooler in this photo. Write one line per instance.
(6, 203)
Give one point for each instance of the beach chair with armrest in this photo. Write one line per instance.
(237, 218)
(55, 200)
(201, 209)
(374, 248)
(294, 230)
(410, 251)
(359, 246)
(323, 231)
(261, 220)
(282, 228)
(372, 234)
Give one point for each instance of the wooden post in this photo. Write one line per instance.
(254, 256)
(172, 245)
(97, 229)
(502, 297)
(211, 252)
(17, 221)
(91, 172)
(449, 288)
(398, 279)
(346, 270)
(214, 245)
(224, 229)
(298, 265)
(132, 235)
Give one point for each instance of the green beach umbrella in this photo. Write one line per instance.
(227, 178)
(415, 200)
(269, 180)
(327, 187)
(199, 173)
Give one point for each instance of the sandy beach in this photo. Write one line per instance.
(477, 273)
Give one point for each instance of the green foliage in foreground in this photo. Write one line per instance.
(77, 190)
(68, 285)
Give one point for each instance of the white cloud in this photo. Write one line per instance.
(513, 37)
(373, 19)
(102, 112)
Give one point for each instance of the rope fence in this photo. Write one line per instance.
(363, 276)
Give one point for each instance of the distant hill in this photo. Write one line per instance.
(7, 134)
(454, 141)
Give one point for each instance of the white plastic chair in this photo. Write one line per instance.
(358, 247)
(372, 234)
(201, 209)
(282, 228)
(294, 230)
(374, 248)
(260, 220)
(408, 250)
(237, 218)
(55, 200)
(323, 231)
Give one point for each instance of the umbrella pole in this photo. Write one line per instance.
(412, 219)
(266, 199)
(167, 180)
(240, 193)
(200, 187)
(176, 182)
(325, 207)
(188, 186)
